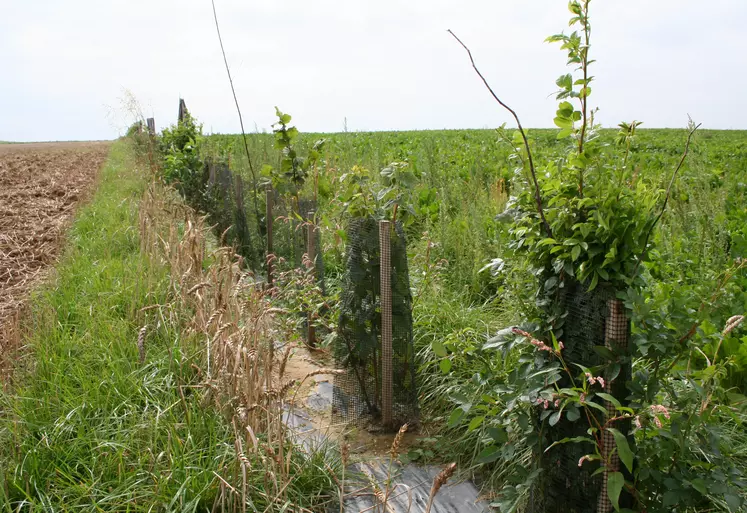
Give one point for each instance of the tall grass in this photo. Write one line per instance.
(86, 426)
(110, 408)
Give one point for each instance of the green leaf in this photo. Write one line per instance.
(572, 414)
(439, 349)
(623, 449)
(563, 122)
(498, 434)
(565, 81)
(551, 282)
(575, 439)
(489, 454)
(615, 483)
(555, 417)
(700, 485)
(456, 417)
(610, 398)
(671, 498)
(596, 406)
(605, 352)
(565, 108)
(445, 365)
(733, 501)
(575, 253)
(475, 423)
(566, 132)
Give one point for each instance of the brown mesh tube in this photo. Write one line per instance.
(615, 339)
(386, 324)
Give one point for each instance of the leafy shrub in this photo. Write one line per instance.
(182, 166)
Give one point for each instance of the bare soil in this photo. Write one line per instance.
(363, 444)
(40, 186)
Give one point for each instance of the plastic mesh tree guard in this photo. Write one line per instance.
(224, 202)
(308, 209)
(289, 237)
(357, 394)
(592, 319)
(616, 334)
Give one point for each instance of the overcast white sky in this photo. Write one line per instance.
(382, 64)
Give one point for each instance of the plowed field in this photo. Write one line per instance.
(40, 185)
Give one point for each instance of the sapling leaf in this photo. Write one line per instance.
(439, 349)
(623, 448)
(615, 483)
(488, 455)
(554, 418)
(475, 423)
(455, 417)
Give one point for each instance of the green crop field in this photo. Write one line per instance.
(462, 180)
(469, 283)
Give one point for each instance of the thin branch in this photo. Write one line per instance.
(666, 197)
(537, 196)
(241, 120)
(584, 97)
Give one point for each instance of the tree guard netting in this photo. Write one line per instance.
(225, 204)
(593, 318)
(289, 215)
(308, 208)
(357, 394)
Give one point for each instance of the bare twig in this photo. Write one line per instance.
(241, 120)
(537, 196)
(666, 197)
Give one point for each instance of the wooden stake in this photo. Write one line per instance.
(386, 323)
(311, 253)
(182, 109)
(151, 126)
(615, 339)
(268, 219)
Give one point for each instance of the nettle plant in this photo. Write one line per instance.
(584, 221)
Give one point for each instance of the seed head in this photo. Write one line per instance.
(394, 450)
(141, 344)
(732, 323)
(442, 477)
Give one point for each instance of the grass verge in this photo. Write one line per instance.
(88, 428)
(105, 417)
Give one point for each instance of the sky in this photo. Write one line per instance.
(67, 67)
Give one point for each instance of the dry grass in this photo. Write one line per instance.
(232, 314)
